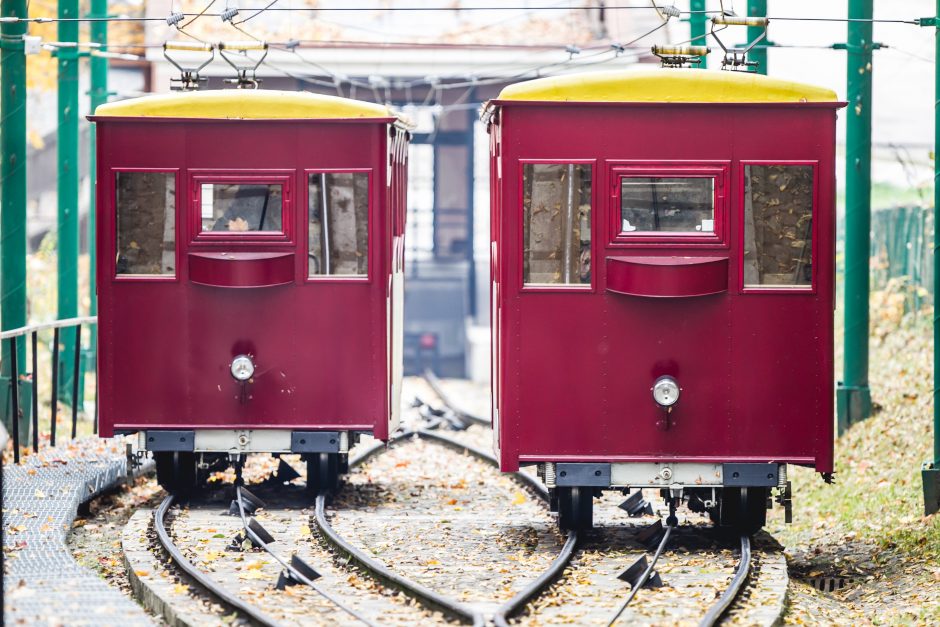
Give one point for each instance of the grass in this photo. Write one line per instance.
(871, 522)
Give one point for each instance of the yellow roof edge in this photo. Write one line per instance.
(245, 105)
(666, 85)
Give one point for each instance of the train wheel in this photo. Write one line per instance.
(575, 508)
(322, 472)
(742, 510)
(176, 472)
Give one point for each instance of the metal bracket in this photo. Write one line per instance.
(183, 441)
(315, 442)
(582, 475)
(750, 475)
(931, 476)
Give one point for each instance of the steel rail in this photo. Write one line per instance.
(721, 606)
(291, 571)
(435, 385)
(517, 603)
(430, 597)
(187, 567)
(377, 568)
(643, 579)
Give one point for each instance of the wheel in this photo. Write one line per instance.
(322, 472)
(176, 472)
(575, 508)
(741, 510)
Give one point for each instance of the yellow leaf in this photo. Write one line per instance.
(256, 565)
(252, 574)
(141, 573)
(39, 494)
(518, 498)
(304, 531)
(180, 589)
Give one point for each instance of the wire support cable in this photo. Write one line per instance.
(205, 581)
(643, 579)
(293, 572)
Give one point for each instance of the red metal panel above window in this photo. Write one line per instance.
(241, 269)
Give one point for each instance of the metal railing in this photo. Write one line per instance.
(12, 349)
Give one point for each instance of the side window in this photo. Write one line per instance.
(664, 204)
(241, 207)
(556, 224)
(778, 226)
(338, 224)
(145, 209)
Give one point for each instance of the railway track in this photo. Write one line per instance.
(715, 613)
(528, 597)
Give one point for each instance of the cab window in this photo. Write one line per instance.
(241, 207)
(556, 224)
(664, 204)
(145, 212)
(778, 226)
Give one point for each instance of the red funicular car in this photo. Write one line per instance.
(250, 276)
(663, 259)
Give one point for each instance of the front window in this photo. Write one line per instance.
(556, 224)
(338, 224)
(241, 207)
(145, 210)
(667, 205)
(778, 226)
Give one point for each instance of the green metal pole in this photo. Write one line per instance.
(854, 395)
(68, 188)
(757, 8)
(12, 195)
(98, 96)
(697, 23)
(931, 471)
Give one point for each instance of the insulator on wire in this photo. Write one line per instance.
(292, 44)
(684, 51)
(670, 11)
(572, 49)
(727, 20)
(175, 18)
(618, 47)
(228, 14)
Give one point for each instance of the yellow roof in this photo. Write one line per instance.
(244, 104)
(665, 85)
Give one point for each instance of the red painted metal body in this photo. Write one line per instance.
(573, 365)
(322, 345)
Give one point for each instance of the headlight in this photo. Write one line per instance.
(665, 391)
(242, 368)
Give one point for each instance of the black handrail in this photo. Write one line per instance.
(13, 337)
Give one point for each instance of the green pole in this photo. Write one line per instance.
(854, 395)
(12, 196)
(697, 23)
(98, 96)
(931, 471)
(68, 189)
(757, 8)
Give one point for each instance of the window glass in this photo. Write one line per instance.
(241, 207)
(339, 237)
(778, 225)
(146, 223)
(557, 223)
(667, 204)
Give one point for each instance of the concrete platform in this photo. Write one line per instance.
(43, 584)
